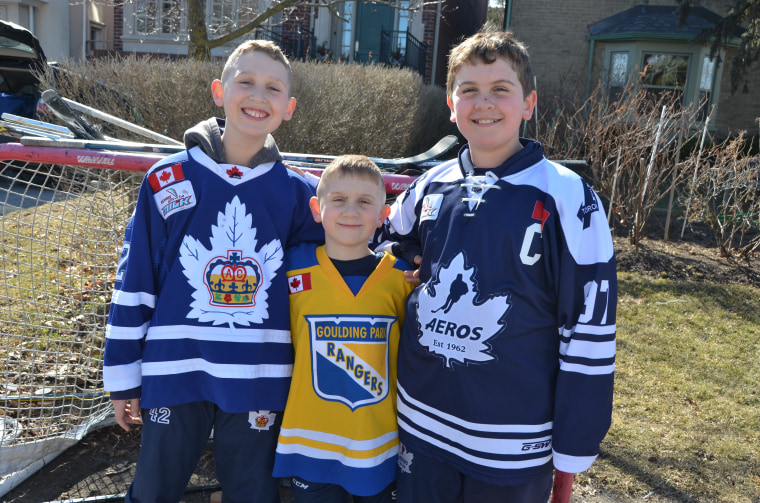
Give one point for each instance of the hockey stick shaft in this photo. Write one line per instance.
(444, 145)
(562, 487)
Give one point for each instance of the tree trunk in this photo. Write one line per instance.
(198, 46)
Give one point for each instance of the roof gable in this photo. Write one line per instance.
(655, 21)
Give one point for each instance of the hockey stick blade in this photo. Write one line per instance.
(46, 127)
(75, 122)
(444, 145)
(97, 114)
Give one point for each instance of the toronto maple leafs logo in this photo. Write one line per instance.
(452, 322)
(589, 206)
(230, 281)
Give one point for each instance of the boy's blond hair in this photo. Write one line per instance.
(267, 47)
(485, 47)
(359, 166)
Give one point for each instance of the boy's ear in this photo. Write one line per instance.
(216, 92)
(453, 117)
(530, 104)
(384, 212)
(314, 205)
(291, 108)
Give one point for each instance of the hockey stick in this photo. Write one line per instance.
(20, 130)
(75, 122)
(47, 127)
(93, 112)
(128, 146)
(562, 487)
(444, 145)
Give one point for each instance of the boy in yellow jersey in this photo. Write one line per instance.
(338, 436)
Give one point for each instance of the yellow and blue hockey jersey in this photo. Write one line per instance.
(339, 425)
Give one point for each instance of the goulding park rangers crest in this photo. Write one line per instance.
(349, 358)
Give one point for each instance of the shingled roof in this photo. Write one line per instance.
(655, 20)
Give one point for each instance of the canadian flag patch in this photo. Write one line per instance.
(299, 282)
(167, 176)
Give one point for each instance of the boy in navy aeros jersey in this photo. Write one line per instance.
(198, 334)
(507, 351)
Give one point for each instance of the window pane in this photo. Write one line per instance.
(708, 70)
(665, 70)
(345, 43)
(618, 69)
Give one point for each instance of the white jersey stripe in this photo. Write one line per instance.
(122, 298)
(494, 428)
(340, 441)
(230, 371)
(315, 453)
(492, 463)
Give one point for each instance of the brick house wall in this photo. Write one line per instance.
(556, 31)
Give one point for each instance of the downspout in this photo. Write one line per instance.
(435, 40)
(508, 15)
(591, 49)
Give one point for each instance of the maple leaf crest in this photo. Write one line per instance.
(234, 230)
(234, 172)
(452, 324)
(165, 175)
(295, 283)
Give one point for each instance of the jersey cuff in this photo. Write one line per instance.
(572, 464)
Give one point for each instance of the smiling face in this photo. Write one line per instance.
(351, 208)
(255, 97)
(488, 104)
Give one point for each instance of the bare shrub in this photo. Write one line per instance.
(342, 108)
(725, 193)
(631, 146)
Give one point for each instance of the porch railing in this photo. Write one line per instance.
(295, 43)
(399, 48)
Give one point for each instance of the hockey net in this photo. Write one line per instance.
(62, 220)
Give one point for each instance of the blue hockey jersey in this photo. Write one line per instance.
(200, 308)
(507, 351)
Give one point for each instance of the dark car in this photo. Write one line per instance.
(20, 57)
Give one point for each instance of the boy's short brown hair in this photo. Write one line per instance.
(359, 166)
(267, 47)
(485, 47)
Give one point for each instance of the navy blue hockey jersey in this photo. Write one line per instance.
(507, 351)
(200, 308)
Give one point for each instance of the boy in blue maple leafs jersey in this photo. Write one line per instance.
(198, 334)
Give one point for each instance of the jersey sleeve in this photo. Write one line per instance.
(134, 296)
(400, 235)
(304, 228)
(587, 296)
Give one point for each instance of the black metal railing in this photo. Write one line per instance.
(296, 44)
(398, 48)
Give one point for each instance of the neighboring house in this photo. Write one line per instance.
(65, 29)
(370, 32)
(588, 42)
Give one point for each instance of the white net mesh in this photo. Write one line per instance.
(61, 229)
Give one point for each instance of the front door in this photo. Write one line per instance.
(370, 19)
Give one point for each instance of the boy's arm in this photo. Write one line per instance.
(587, 297)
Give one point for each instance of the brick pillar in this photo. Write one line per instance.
(118, 26)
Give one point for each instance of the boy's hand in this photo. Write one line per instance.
(413, 277)
(127, 412)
